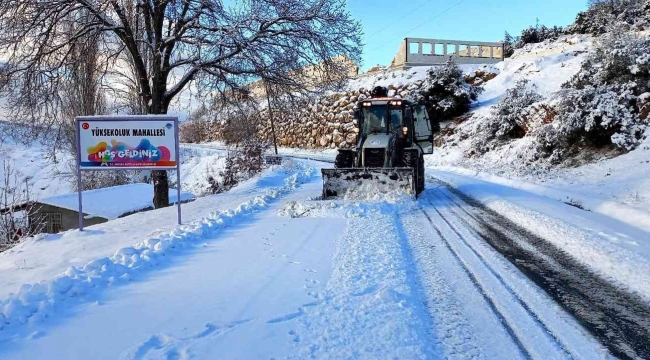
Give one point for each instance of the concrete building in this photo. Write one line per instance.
(428, 52)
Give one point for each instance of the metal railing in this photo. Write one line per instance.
(428, 52)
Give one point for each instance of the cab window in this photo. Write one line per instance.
(422, 125)
(374, 121)
(395, 119)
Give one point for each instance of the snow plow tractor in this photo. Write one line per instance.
(394, 135)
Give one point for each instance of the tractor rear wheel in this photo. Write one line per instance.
(344, 160)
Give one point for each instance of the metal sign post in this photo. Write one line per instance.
(136, 142)
(178, 171)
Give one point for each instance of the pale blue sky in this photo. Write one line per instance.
(386, 22)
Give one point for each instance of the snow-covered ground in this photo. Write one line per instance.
(265, 270)
(35, 164)
(547, 66)
(617, 187)
(217, 147)
(535, 265)
(615, 249)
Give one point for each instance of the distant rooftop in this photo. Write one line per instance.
(113, 202)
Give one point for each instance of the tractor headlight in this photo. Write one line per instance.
(405, 131)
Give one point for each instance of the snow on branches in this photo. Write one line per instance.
(603, 15)
(445, 93)
(509, 116)
(602, 104)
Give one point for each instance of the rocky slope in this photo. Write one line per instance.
(328, 121)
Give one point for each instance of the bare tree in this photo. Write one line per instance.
(171, 44)
(17, 211)
(82, 89)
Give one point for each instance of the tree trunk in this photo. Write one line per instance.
(160, 188)
(160, 177)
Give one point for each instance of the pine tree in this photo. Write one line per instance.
(445, 93)
(508, 45)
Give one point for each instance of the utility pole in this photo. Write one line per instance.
(268, 100)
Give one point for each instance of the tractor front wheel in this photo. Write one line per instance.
(410, 159)
(344, 160)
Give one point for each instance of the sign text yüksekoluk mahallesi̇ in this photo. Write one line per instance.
(128, 143)
(128, 132)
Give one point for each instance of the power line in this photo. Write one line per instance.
(433, 18)
(403, 16)
(422, 24)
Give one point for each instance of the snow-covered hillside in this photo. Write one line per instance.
(595, 180)
(547, 65)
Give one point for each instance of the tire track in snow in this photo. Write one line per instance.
(455, 333)
(533, 315)
(488, 299)
(619, 320)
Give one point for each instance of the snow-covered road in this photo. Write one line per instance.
(289, 276)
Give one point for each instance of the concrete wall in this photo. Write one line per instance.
(69, 218)
(428, 52)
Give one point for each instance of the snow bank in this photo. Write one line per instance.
(624, 213)
(35, 302)
(617, 187)
(346, 208)
(198, 164)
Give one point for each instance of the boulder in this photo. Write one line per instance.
(325, 140)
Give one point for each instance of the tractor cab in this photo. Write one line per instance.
(398, 118)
